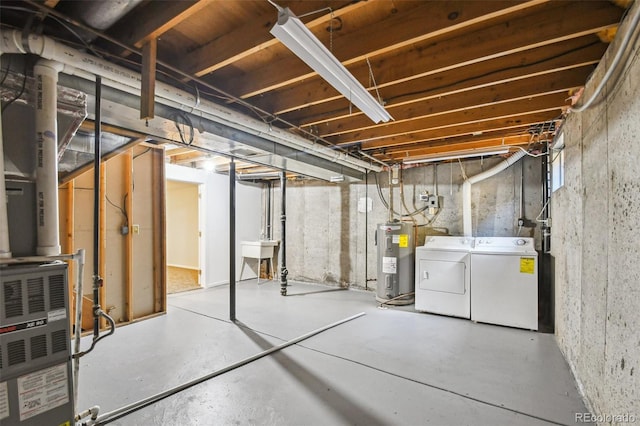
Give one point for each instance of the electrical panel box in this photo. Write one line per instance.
(36, 386)
(433, 201)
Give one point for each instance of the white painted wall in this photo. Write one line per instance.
(214, 220)
(595, 244)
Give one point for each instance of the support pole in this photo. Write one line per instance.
(283, 234)
(97, 280)
(232, 240)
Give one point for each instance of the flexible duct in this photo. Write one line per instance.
(46, 129)
(84, 65)
(5, 250)
(466, 188)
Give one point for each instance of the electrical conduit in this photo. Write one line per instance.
(466, 188)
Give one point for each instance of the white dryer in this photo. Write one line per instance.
(443, 276)
(504, 279)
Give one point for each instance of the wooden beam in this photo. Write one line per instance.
(449, 147)
(159, 17)
(544, 28)
(74, 174)
(159, 231)
(506, 124)
(519, 90)
(580, 52)
(102, 261)
(552, 102)
(148, 83)
(189, 157)
(251, 38)
(128, 182)
(393, 33)
(69, 247)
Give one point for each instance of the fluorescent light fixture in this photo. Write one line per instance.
(336, 179)
(296, 36)
(462, 154)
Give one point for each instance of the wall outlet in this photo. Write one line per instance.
(135, 229)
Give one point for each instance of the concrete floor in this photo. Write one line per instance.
(390, 367)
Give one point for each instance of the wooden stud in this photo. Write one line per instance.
(102, 266)
(148, 90)
(159, 235)
(69, 247)
(128, 178)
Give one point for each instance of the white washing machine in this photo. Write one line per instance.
(504, 279)
(443, 276)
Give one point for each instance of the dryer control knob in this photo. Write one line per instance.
(521, 242)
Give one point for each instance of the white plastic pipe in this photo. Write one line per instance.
(46, 130)
(5, 250)
(466, 189)
(84, 65)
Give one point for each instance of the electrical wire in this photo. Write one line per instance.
(59, 21)
(234, 99)
(24, 85)
(121, 209)
(6, 73)
(386, 205)
(186, 121)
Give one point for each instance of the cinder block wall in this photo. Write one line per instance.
(596, 247)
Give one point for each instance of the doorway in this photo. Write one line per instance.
(184, 270)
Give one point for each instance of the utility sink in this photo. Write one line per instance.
(262, 249)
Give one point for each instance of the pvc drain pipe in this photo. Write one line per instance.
(128, 409)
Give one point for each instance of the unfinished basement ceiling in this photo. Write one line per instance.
(456, 76)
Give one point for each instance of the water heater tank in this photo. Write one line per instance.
(395, 263)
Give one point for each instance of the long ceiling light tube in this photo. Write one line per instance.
(455, 156)
(296, 37)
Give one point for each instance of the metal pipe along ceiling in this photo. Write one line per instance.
(86, 66)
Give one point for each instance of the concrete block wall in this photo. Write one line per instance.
(595, 245)
(330, 241)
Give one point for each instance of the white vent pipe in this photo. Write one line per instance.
(466, 188)
(46, 127)
(5, 250)
(86, 66)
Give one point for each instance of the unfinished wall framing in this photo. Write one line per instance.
(133, 253)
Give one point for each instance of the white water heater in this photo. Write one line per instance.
(396, 278)
(36, 386)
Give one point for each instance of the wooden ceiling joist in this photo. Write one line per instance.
(431, 20)
(520, 90)
(580, 52)
(506, 124)
(542, 29)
